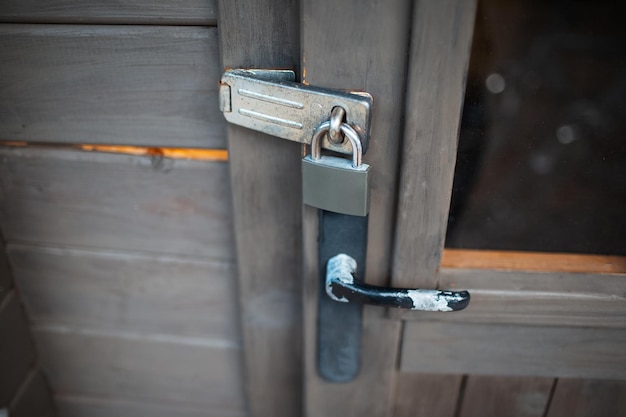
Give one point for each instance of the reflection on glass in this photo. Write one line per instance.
(542, 150)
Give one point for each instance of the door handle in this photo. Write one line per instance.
(342, 249)
(343, 286)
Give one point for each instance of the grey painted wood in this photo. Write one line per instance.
(359, 46)
(178, 12)
(119, 202)
(127, 291)
(495, 349)
(141, 367)
(426, 395)
(34, 398)
(535, 298)
(74, 406)
(5, 272)
(17, 353)
(120, 84)
(265, 178)
(440, 50)
(588, 398)
(490, 396)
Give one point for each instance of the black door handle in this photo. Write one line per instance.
(342, 285)
(342, 248)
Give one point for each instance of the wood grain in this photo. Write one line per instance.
(490, 396)
(34, 398)
(130, 85)
(534, 298)
(588, 398)
(177, 12)
(141, 367)
(359, 46)
(439, 57)
(533, 261)
(17, 353)
(6, 282)
(422, 395)
(81, 406)
(119, 202)
(265, 183)
(127, 291)
(493, 349)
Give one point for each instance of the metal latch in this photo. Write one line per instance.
(271, 102)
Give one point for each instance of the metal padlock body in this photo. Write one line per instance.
(333, 184)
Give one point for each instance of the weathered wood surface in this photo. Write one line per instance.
(588, 398)
(5, 272)
(359, 46)
(533, 261)
(495, 349)
(127, 291)
(534, 298)
(17, 353)
(177, 12)
(119, 202)
(489, 396)
(117, 84)
(420, 395)
(34, 398)
(439, 57)
(265, 181)
(73, 406)
(142, 367)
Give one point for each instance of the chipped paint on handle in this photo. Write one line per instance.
(341, 267)
(343, 286)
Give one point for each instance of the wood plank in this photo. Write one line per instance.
(420, 395)
(6, 282)
(118, 202)
(494, 349)
(533, 261)
(366, 51)
(588, 398)
(489, 396)
(534, 298)
(131, 85)
(74, 406)
(17, 353)
(34, 398)
(177, 12)
(140, 367)
(265, 181)
(127, 291)
(440, 51)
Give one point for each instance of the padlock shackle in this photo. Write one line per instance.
(348, 131)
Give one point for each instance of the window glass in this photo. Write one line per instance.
(542, 149)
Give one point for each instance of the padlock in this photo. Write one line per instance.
(336, 184)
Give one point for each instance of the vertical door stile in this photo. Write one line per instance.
(265, 181)
(359, 46)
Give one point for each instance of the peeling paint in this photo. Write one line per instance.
(341, 268)
(428, 300)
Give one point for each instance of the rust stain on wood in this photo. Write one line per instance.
(533, 261)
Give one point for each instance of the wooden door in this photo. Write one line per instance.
(541, 328)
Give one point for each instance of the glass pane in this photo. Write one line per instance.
(542, 150)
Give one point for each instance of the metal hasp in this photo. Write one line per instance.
(343, 286)
(271, 102)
